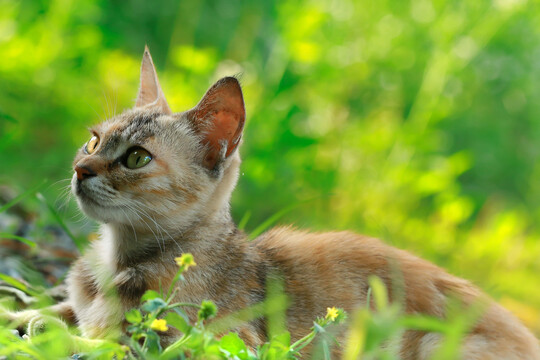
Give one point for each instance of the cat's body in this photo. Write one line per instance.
(319, 271)
(172, 197)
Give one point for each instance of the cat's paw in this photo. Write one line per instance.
(30, 322)
(41, 323)
(8, 317)
(19, 319)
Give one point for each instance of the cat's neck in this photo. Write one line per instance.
(126, 245)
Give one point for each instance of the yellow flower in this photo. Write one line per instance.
(185, 260)
(159, 325)
(332, 313)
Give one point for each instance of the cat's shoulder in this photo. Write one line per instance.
(340, 249)
(292, 242)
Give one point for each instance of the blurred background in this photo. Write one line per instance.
(413, 121)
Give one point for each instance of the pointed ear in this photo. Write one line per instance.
(220, 117)
(150, 93)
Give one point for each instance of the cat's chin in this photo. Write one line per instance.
(104, 214)
(97, 212)
(94, 210)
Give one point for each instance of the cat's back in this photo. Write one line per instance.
(322, 270)
(338, 263)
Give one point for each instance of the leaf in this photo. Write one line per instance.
(154, 304)
(133, 329)
(134, 316)
(318, 328)
(152, 342)
(278, 348)
(234, 345)
(283, 339)
(178, 322)
(149, 295)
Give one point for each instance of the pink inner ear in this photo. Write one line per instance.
(220, 117)
(225, 128)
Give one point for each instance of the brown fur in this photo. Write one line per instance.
(179, 203)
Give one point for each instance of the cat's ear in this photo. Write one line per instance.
(220, 117)
(150, 93)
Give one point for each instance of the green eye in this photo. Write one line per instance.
(137, 158)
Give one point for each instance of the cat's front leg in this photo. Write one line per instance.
(35, 320)
(130, 285)
(63, 310)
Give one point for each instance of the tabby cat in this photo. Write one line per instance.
(160, 182)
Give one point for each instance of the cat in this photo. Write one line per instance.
(160, 182)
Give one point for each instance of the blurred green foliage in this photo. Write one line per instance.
(414, 121)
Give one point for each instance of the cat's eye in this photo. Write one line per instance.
(92, 144)
(137, 158)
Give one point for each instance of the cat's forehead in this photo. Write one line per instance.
(132, 126)
(152, 130)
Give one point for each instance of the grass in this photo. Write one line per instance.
(418, 117)
(369, 329)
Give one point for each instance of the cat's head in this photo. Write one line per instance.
(149, 164)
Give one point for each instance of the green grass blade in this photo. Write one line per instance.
(270, 221)
(18, 198)
(19, 238)
(17, 284)
(423, 323)
(79, 243)
(243, 222)
(274, 218)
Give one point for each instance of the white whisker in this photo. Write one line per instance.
(136, 212)
(108, 110)
(132, 227)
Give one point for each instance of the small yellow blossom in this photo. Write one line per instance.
(159, 325)
(332, 313)
(186, 260)
(93, 236)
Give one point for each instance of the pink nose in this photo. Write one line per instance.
(84, 172)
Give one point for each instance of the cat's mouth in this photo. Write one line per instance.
(84, 194)
(91, 196)
(92, 203)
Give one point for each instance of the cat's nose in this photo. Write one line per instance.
(84, 172)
